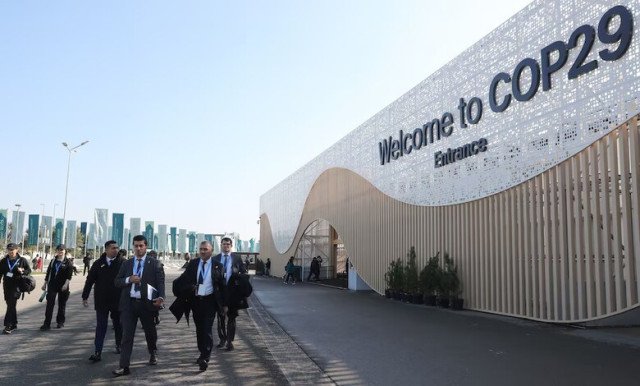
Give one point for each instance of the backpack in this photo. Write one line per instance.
(26, 283)
(244, 285)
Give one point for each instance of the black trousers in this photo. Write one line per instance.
(11, 316)
(102, 323)
(204, 313)
(129, 320)
(227, 326)
(62, 296)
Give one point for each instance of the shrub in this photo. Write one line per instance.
(410, 283)
(430, 275)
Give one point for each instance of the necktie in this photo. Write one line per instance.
(201, 276)
(138, 272)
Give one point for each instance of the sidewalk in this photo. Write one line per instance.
(317, 335)
(362, 338)
(60, 356)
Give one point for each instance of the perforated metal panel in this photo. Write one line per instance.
(525, 140)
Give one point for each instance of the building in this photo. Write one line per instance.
(520, 158)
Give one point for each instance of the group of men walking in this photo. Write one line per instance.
(130, 290)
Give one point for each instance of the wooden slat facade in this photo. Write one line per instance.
(560, 247)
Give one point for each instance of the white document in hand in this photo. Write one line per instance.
(151, 292)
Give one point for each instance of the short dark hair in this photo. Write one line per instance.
(227, 239)
(140, 238)
(110, 242)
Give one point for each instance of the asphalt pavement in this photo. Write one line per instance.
(362, 338)
(308, 334)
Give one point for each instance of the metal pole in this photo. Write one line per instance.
(42, 230)
(53, 225)
(66, 190)
(18, 225)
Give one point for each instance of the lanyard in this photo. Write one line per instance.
(12, 266)
(58, 264)
(138, 272)
(204, 274)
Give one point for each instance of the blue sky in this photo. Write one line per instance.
(193, 109)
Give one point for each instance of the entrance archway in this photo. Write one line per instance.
(320, 240)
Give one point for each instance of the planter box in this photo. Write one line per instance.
(429, 300)
(457, 304)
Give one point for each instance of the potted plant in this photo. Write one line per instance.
(411, 288)
(429, 280)
(398, 277)
(388, 279)
(394, 279)
(455, 287)
(449, 282)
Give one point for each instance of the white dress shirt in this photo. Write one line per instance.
(207, 283)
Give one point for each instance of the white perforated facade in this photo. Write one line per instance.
(545, 222)
(526, 139)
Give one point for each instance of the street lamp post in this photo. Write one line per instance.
(41, 232)
(53, 226)
(66, 190)
(21, 235)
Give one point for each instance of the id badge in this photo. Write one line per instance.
(200, 289)
(9, 274)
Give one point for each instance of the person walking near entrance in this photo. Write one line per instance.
(135, 278)
(204, 289)
(12, 268)
(314, 270)
(227, 320)
(289, 269)
(87, 263)
(56, 283)
(267, 267)
(105, 296)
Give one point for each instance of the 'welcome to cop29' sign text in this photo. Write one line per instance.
(615, 30)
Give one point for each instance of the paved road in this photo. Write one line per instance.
(363, 338)
(309, 334)
(60, 356)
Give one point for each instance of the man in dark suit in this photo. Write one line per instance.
(56, 283)
(106, 296)
(142, 282)
(205, 291)
(232, 265)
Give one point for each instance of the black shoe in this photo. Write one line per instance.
(95, 357)
(118, 349)
(221, 344)
(204, 364)
(229, 346)
(60, 325)
(7, 330)
(153, 359)
(45, 327)
(14, 327)
(121, 371)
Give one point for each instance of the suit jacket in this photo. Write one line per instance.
(232, 296)
(57, 280)
(105, 295)
(186, 284)
(152, 274)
